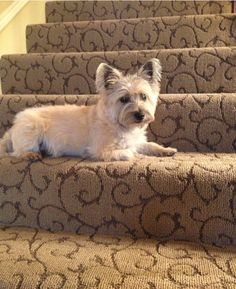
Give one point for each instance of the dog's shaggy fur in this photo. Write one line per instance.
(113, 129)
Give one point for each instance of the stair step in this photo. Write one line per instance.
(195, 70)
(106, 262)
(186, 197)
(133, 34)
(58, 11)
(189, 122)
(189, 196)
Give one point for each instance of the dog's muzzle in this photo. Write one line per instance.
(139, 116)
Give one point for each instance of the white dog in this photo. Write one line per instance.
(113, 129)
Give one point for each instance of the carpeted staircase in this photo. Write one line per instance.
(150, 223)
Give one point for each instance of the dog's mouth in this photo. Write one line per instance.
(142, 118)
(133, 116)
(130, 120)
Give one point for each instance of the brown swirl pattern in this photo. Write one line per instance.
(168, 201)
(124, 198)
(64, 11)
(197, 122)
(38, 259)
(133, 34)
(192, 70)
(132, 198)
(189, 122)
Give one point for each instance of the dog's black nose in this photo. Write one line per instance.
(139, 116)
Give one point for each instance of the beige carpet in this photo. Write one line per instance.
(150, 223)
(186, 197)
(64, 11)
(190, 70)
(133, 34)
(38, 259)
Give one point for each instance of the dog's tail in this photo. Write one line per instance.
(5, 144)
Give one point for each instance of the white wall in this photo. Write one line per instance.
(12, 37)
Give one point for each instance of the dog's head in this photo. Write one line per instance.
(129, 100)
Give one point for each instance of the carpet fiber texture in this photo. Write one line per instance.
(194, 70)
(147, 223)
(38, 259)
(133, 34)
(190, 196)
(186, 197)
(64, 11)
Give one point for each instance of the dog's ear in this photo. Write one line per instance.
(151, 71)
(106, 77)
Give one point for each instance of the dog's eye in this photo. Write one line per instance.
(143, 96)
(125, 99)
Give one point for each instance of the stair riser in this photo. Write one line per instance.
(92, 10)
(189, 70)
(133, 34)
(180, 199)
(190, 123)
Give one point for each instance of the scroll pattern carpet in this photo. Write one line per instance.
(148, 223)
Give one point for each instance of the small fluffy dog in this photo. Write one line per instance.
(113, 129)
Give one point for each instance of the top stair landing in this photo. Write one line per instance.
(64, 11)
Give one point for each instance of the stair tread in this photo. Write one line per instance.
(91, 10)
(184, 70)
(133, 34)
(107, 262)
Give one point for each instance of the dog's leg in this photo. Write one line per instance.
(117, 155)
(25, 144)
(154, 149)
(5, 144)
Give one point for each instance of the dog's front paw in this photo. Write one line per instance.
(168, 151)
(118, 155)
(124, 155)
(31, 156)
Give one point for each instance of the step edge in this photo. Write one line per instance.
(229, 48)
(134, 19)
